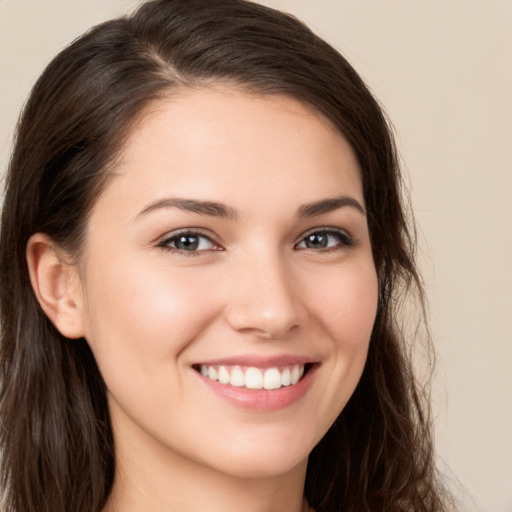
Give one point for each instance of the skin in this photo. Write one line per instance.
(253, 287)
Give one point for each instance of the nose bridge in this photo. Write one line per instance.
(262, 295)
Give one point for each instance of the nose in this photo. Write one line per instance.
(263, 299)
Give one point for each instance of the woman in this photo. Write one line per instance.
(203, 248)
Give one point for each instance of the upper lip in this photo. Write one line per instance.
(259, 361)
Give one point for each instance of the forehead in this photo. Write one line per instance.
(227, 142)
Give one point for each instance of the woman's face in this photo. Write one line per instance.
(228, 258)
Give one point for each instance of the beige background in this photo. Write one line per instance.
(442, 69)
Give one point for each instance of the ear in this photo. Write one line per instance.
(56, 285)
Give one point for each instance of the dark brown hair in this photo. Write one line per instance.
(56, 438)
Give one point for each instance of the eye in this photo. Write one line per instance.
(189, 241)
(324, 239)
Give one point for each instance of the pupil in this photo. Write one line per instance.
(317, 241)
(187, 242)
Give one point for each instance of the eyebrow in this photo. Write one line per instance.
(214, 209)
(209, 208)
(329, 205)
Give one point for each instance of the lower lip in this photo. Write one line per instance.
(262, 399)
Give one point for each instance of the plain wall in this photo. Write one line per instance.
(442, 69)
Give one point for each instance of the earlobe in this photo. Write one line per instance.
(56, 285)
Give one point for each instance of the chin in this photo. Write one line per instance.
(270, 466)
(268, 456)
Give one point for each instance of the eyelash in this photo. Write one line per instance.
(344, 240)
(165, 243)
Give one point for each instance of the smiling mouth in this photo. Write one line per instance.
(250, 377)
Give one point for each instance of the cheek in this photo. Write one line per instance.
(347, 309)
(142, 314)
(347, 304)
(343, 305)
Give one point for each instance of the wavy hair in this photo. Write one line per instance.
(56, 439)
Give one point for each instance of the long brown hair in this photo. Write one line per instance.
(56, 439)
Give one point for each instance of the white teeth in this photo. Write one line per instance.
(237, 378)
(254, 378)
(295, 376)
(223, 375)
(272, 379)
(286, 377)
